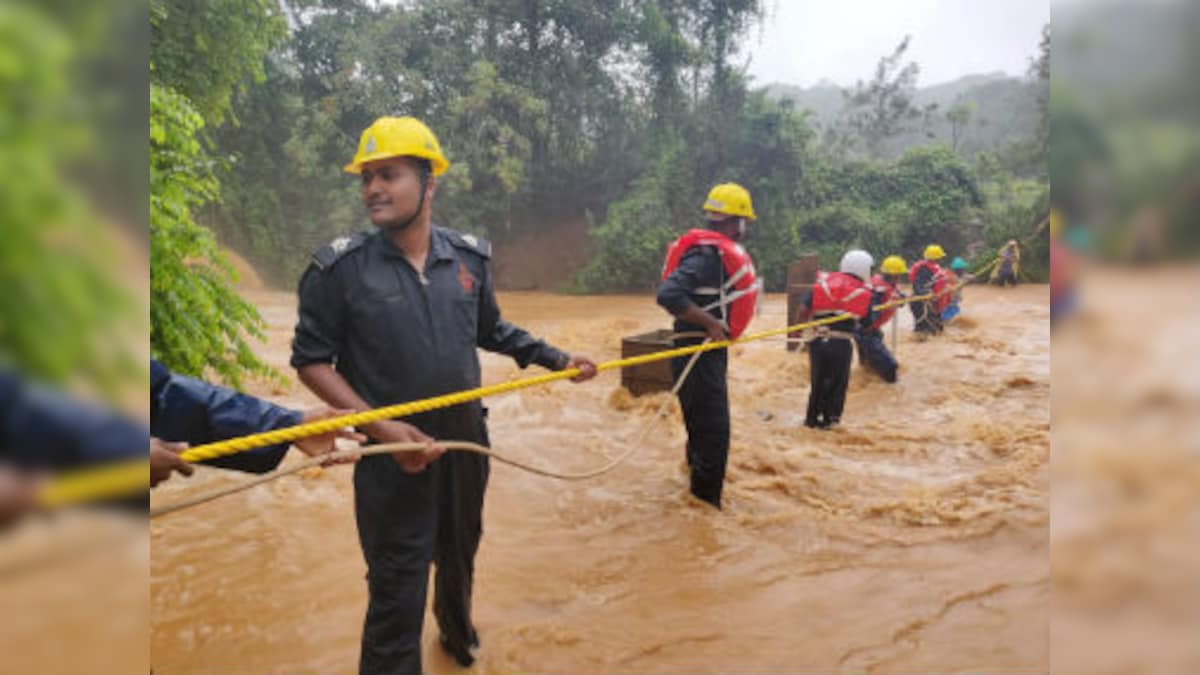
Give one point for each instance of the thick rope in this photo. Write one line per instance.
(124, 479)
(388, 448)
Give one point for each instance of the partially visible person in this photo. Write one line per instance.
(950, 304)
(18, 493)
(1063, 271)
(831, 350)
(186, 411)
(927, 276)
(1008, 269)
(44, 432)
(885, 289)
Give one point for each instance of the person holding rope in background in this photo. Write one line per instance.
(950, 304)
(709, 286)
(927, 277)
(395, 315)
(885, 288)
(1009, 268)
(831, 348)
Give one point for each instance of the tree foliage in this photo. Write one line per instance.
(621, 111)
(882, 108)
(63, 309)
(203, 53)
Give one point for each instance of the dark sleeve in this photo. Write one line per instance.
(43, 429)
(865, 323)
(196, 412)
(319, 327)
(806, 299)
(923, 281)
(695, 270)
(500, 336)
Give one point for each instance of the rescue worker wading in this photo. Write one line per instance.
(709, 285)
(950, 304)
(395, 315)
(872, 350)
(831, 349)
(926, 277)
(1009, 268)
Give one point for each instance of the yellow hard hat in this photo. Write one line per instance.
(934, 252)
(893, 264)
(731, 199)
(389, 137)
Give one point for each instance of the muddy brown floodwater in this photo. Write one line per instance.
(912, 538)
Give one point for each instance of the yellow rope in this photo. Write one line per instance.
(127, 478)
(119, 479)
(234, 445)
(388, 448)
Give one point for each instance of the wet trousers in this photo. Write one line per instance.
(829, 376)
(405, 521)
(926, 318)
(704, 400)
(873, 353)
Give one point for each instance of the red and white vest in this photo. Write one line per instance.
(888, 293)
(947, 280)
(739, 293)
(934, 268)
(837, 292)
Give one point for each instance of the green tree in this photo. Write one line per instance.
(883, 108)
(63, 311)
(202, 54)
(959, 117)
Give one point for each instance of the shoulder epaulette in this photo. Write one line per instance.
(470, 243)
(330, 253)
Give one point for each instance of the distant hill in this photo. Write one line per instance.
(1005, 109)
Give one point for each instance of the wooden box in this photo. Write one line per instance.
(801, 275)
(648, 377)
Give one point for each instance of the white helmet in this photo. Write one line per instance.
(858, 263)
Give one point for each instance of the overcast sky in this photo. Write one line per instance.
(805, 41)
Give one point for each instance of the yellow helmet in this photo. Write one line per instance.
(893, 264)
(389, 137)
(934, 252)
(731, 199)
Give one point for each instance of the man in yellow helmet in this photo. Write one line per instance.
(709, 286)
(885, 289)
(927, 276)
(396, 315)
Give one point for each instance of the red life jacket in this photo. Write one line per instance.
(739, 293)
(837, 292)
(887, 293)
(939, 275)
(947, 279)
(919, 265)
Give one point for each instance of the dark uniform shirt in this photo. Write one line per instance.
(397, 334)
(923, 280)
(186, 409)
(42, 429)
(699, 268)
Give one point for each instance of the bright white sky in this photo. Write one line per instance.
(804, 41)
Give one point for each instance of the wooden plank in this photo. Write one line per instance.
(801, 275)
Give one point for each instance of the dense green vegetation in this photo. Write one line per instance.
(65, 315)
(623, 112)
